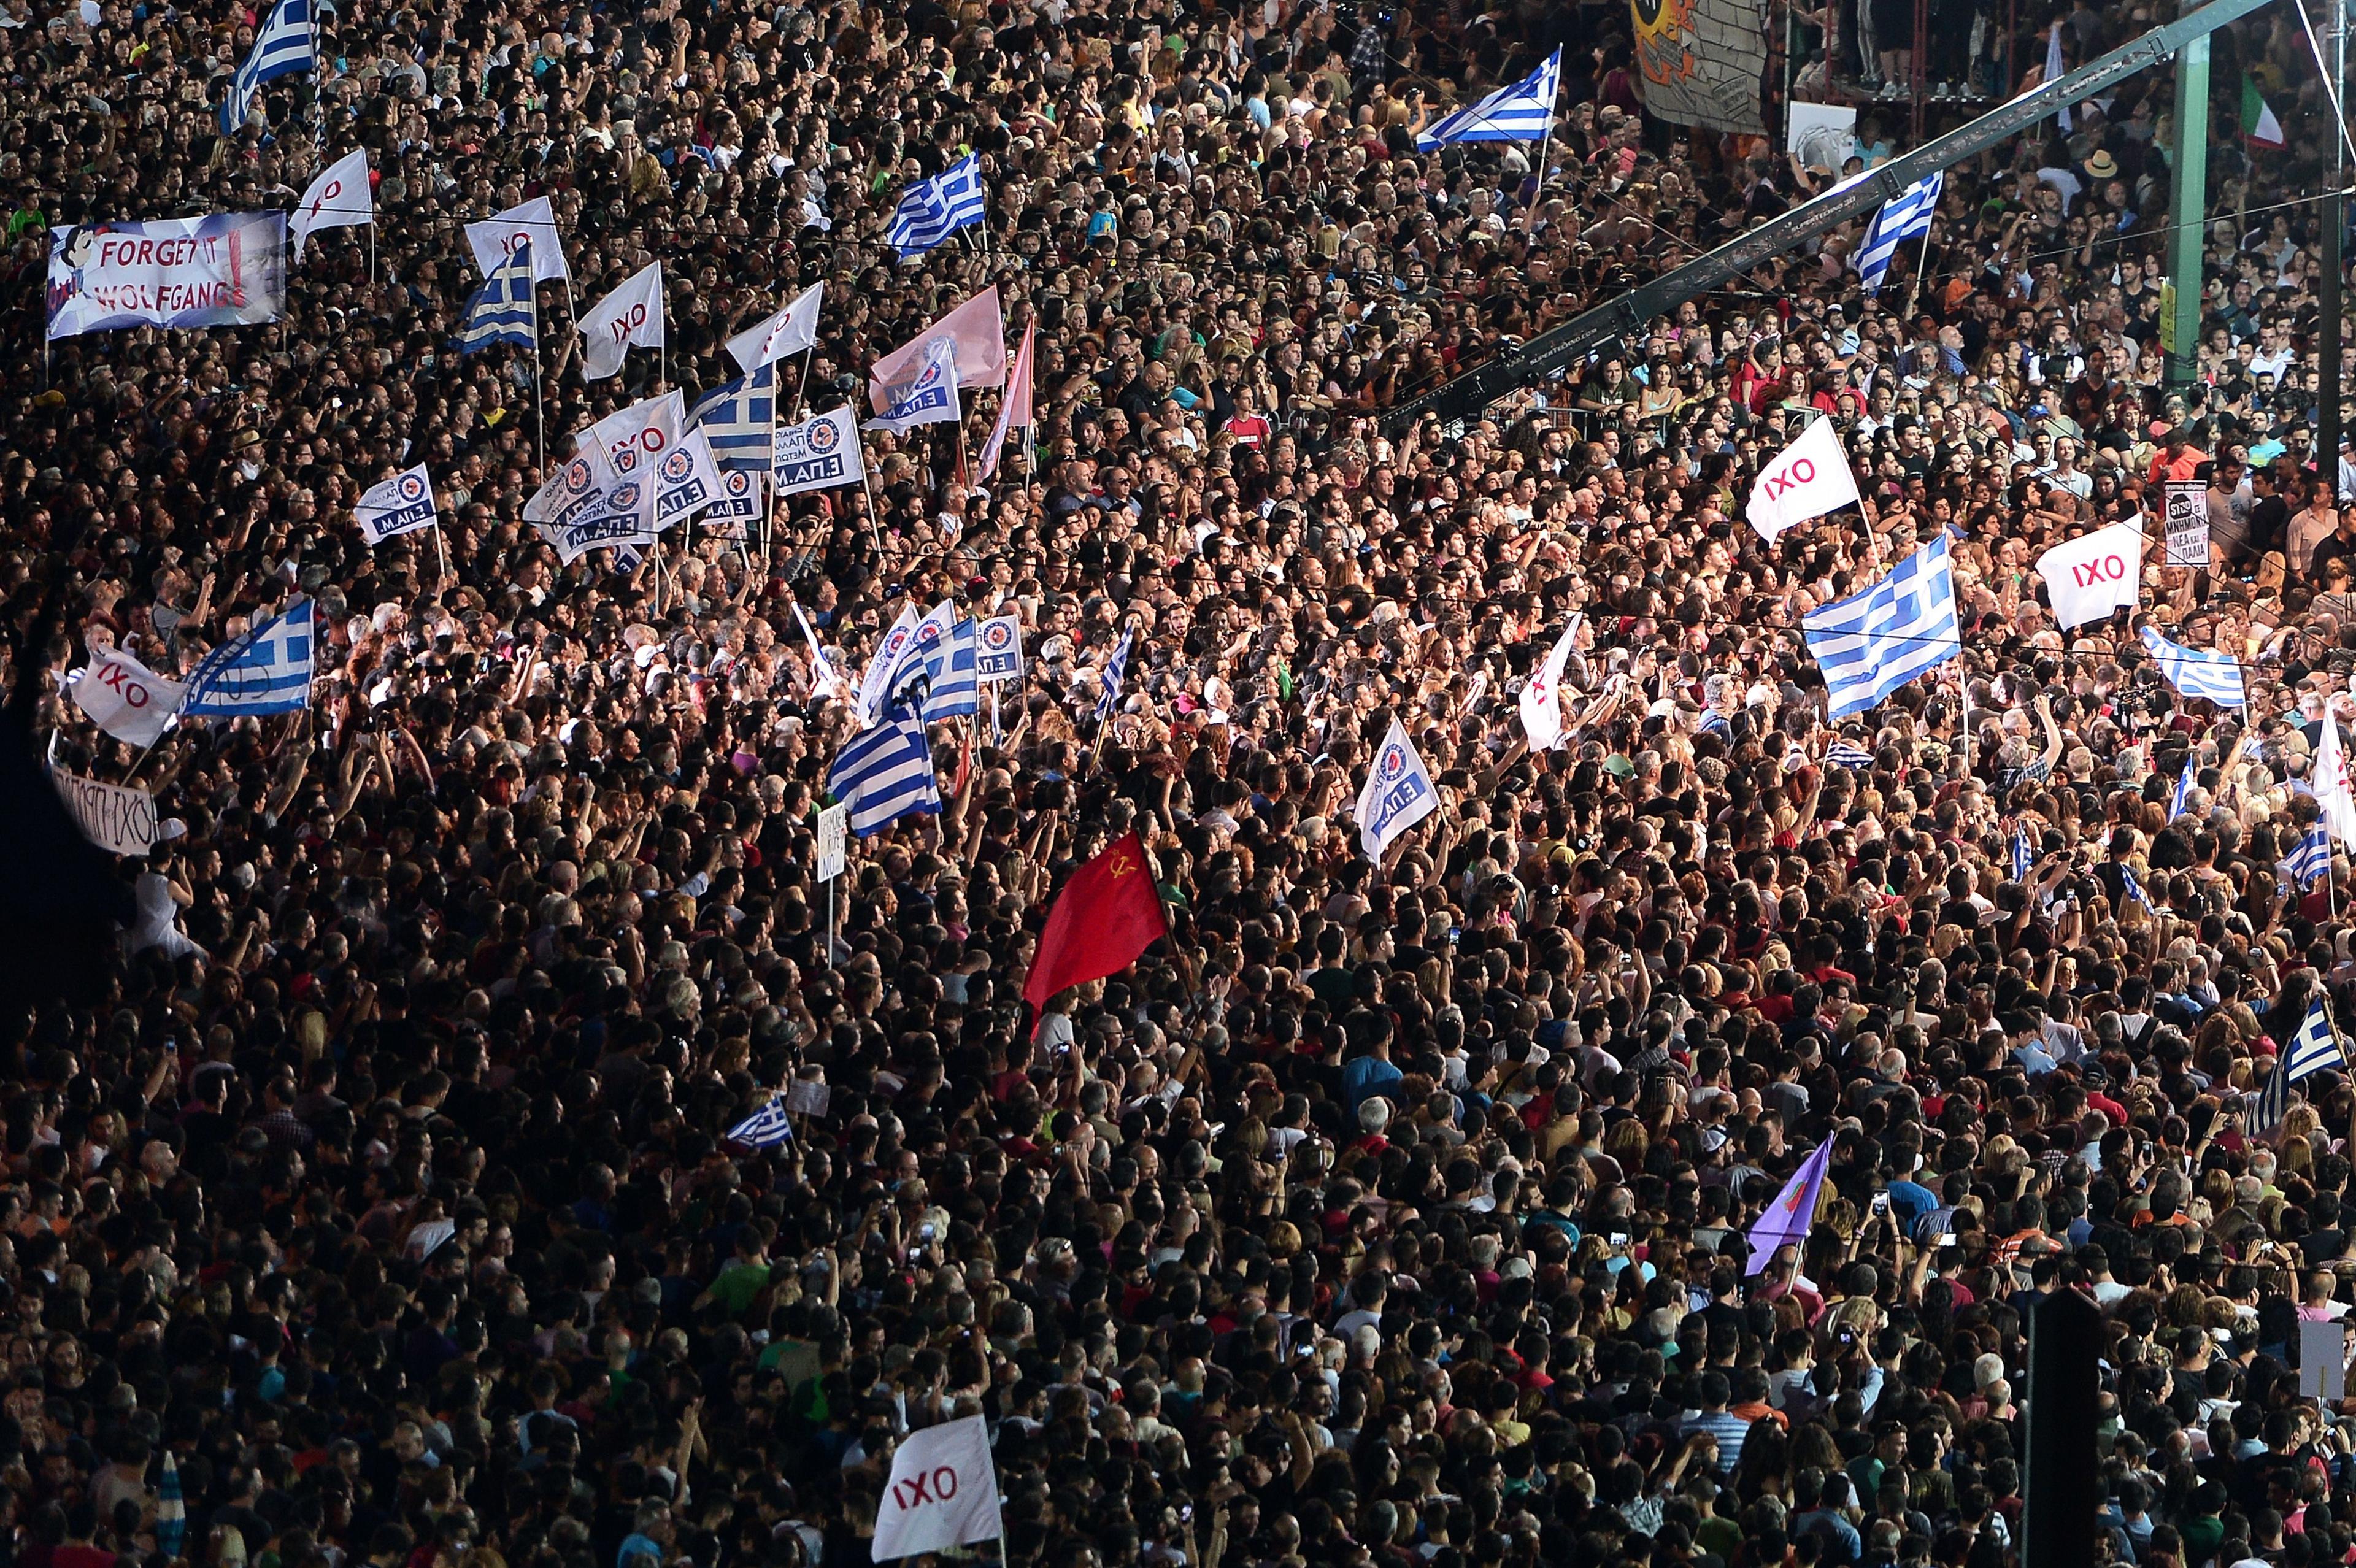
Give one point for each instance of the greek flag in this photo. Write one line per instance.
(736, 417)
(956, 687)
(765, 1128)
(2023, 858)
(503, 310)
(2315, 1047)
(2135, 890)
(1846, 754)
(268, 670)
(286, 46)
(2197, 672)
(2311, 859)
(1870, 644)
(1521, 113)
(885, 773)
(2183, 788)
(1901, 218)
(2271, 1101)
(1116, 670)
(931, 210)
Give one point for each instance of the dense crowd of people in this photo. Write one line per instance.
(380, 1210)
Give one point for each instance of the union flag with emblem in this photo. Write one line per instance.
(1107, 914)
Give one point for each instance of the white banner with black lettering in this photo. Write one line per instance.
(111, 817)
(943, 1492)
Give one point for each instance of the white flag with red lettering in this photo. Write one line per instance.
(125, 698)
(2090, 576)
(338, 199)
(943, 1492)
(632, 315)
(1808, 479)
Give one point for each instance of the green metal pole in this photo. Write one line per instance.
(2187, 201)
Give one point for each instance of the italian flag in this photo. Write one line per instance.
(2258, 121)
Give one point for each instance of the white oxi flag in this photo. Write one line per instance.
(1398, 792)
(494, 240)
(126, 698)
(788, 331)
(2333, 790)
(646, 439)
(2090, 576)
(943, 1492)
(1808, 479)
(401, 505)
(631, 317)
(338, 199)
(817, 454)
(1542, 696)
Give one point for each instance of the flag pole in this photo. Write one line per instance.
(539, 394)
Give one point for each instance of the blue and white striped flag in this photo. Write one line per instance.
(1522, 112)
(1847, 753)
(1901, 218)
(1116, 670)
(737, 418)
(2197, 672)
(2184, 787)
(2135, 890)
(931, 210)
(765, 1128)
(2315, 1047)
(1870, 644)
(286, 46)
(503, 310)
(268, 670)
(171, 1509)
(2271, 1101)
(885, 773)
(2023, 858)
(952, 663)
(2311, 859)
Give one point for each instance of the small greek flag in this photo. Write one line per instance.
(2316, 1046)
(1901, 218)
(1116, 670)
(1846, 754)
(931, 210)
(286, 46)
(503, 310)
(1522, 112)
(268, 670)
(1870, 644)
(2311, 859)
(885, 773)
(765, 1128)
(2271, 1102)
(2135, 890)
(737, 418)
(2197, 672)
(2022, 858)
(2183, 788)
(956, 685)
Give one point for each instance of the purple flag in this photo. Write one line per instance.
(1787, 1219)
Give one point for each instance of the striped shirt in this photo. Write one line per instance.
(1729, 1429)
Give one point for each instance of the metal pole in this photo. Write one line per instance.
(2335, 268)
(2188, 201)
